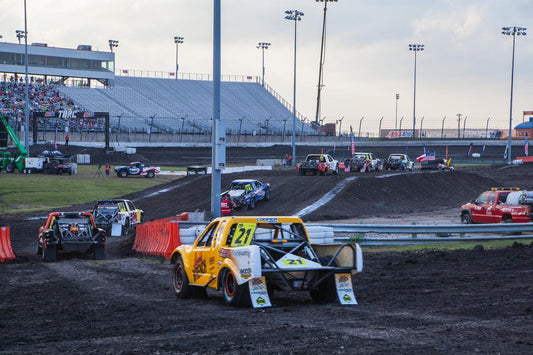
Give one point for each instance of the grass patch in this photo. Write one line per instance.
(35, 192)
(490, 244)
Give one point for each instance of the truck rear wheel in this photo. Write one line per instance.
(234, 294)
(150, 174)
(326, 292)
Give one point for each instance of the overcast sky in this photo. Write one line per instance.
(465, 67)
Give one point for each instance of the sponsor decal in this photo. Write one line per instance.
(267, 220)
(237, 253)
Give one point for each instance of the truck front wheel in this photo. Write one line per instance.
(10, 167)
(466, 218)
(123, 173)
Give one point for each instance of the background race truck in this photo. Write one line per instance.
(71, 232)
(321, 164)
(364, 162)
(137, 168)
(245, 192)
(119, 215)
(399, 162)
(508, 205)
(248, 258)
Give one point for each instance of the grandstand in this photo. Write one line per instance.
(65, 80)
(185, 106)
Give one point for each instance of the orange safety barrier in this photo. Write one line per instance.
(159, 237)
(6, 253)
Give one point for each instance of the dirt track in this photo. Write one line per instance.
(433, 302)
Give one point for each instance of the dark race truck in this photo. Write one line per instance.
(119, 212)
(321, 164)
(507, 205)
(363, 162)
(70, 232)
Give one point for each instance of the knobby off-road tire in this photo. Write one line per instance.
(126, 227)
(466, 218)
(252, 203)
(268, 195)
(10, 167)
(326, 292)
(50, 253)
(180, 283)
(234, 294)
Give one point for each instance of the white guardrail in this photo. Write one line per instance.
(496, 231)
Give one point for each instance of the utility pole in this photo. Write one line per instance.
(459, 125)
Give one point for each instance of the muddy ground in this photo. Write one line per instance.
(464, 301)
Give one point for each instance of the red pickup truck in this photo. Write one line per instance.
(507, 205)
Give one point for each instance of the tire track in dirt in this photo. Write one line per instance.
(326, 198)
(95, 280)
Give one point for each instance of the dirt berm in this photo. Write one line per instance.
(465, 301)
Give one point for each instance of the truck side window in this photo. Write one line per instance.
(482, 199)
(492, 197)
(208, 236)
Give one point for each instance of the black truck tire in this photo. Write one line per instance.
(10, 167)
(326, 292)
(123, 173)
(234, 294)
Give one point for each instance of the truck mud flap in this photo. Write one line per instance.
(344, 286)
(259, 293)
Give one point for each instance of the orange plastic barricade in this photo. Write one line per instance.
(159, 237)
(6, 253)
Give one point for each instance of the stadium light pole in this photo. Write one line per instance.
(240, 126)
(302, 127)
(396, 116)
(263, 46)
(361, 120)
(266, 129)
(218, 151)
(294, 15)
(415, 48)
(442, 128)
(284, 124)
(20, 34)
(112, 44)
(322, 59)
(340, 125)
(178, 40)
(459, 124)
(27, 111)
(487, 129)
(512, 31)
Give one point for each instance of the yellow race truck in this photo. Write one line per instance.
(250, 257)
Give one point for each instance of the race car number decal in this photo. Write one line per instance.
(243, 234)
(294, 262)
